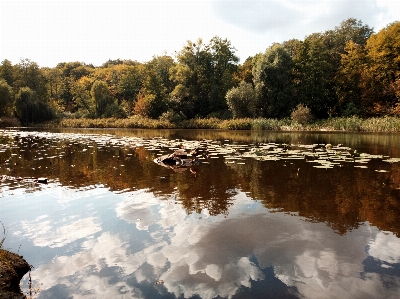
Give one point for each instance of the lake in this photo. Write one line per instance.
(258, 214)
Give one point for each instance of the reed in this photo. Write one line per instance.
(271, 124)
(354, 123)
(9, 122)
(4, 235)
(236, 124)
(201, 123)
(131, 122)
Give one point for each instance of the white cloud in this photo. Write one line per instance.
(46, 233)
(385, 247)
(49, 32)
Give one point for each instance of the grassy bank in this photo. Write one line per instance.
(351, 124)
(383, 124)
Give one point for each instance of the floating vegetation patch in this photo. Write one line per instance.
(322, 156)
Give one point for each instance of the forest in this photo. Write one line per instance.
(347, 71)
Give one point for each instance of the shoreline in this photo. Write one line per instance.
(390, 124)
(13, 267)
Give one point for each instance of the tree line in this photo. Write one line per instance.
(349, 70)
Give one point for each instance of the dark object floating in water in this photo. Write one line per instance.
(179, 159)
(42, 180)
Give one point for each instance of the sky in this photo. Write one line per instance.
(92, 32)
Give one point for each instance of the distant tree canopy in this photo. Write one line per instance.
(349, 70)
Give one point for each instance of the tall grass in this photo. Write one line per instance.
(131, 122)
(9, 122)
(4, 235)
(354, 123)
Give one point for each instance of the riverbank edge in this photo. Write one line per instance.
(343, 124)
(13, 267)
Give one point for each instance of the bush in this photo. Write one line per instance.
(241, 100)
(301, 114)
(237, 124)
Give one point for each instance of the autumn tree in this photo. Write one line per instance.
(81, 96)
(380, 84)
(348, 78)
(245, 71)
(70, 73)
(130, 85)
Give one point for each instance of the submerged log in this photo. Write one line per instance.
(178, 159)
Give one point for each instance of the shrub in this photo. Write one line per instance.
(241, 100)
(301, 114)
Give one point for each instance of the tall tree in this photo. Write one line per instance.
(28, 74)
(349, 78)
(30, 109)
(273, 82)
(7, 71)
(70, 73)
(191, 77)
(224, 63)
(6, 98)
(130, 85)
(101, 97)
(202, 77)
(381, 80)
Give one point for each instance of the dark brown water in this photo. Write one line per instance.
(262, 215)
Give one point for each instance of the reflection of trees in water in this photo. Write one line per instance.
(342, 197)
(213, 188)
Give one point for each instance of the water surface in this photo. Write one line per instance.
(264, 214)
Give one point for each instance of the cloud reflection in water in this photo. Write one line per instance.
(215, 255)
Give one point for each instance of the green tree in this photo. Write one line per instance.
(80, 91)
(7, 72)
(157, 85)
(101, 98)
(130, 85)
(30, 109)
(28, 74)
(202, 77)
(6, 98)
(273, 82)
(241, 100)
(315, 73)
(192, 80)
(70, 73)
(224, 65)
(317, 62)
